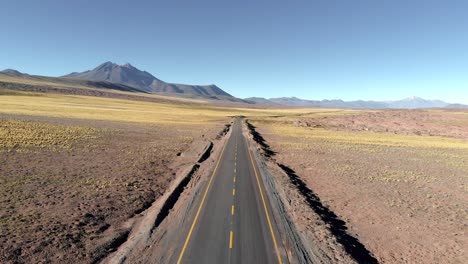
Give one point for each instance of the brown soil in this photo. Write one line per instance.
(57, 203)
(449, 123)
(404, 204)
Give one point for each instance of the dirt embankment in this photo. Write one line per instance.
(69, 186)
(324, 237)
(163, 243)
(147, 224)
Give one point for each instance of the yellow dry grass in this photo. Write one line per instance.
(96, 108)
(20, 133)
(121, 110)
(279, 120)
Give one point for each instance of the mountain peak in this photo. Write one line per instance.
(129, 75)
(108, 63)
(128, 65)
(113, 64)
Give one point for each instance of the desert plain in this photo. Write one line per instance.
(77, 163)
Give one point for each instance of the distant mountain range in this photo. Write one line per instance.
(407, 103)
(144, 81)
(128, 78)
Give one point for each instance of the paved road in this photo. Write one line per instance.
(233, 223)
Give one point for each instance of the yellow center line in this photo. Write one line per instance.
(231, 237)
(200, 207)
(265, 207)
(232, 210)
(234, 179)
(233, 191)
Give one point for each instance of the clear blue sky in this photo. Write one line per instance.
(314, 49)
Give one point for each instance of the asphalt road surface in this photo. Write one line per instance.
(233, 223)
